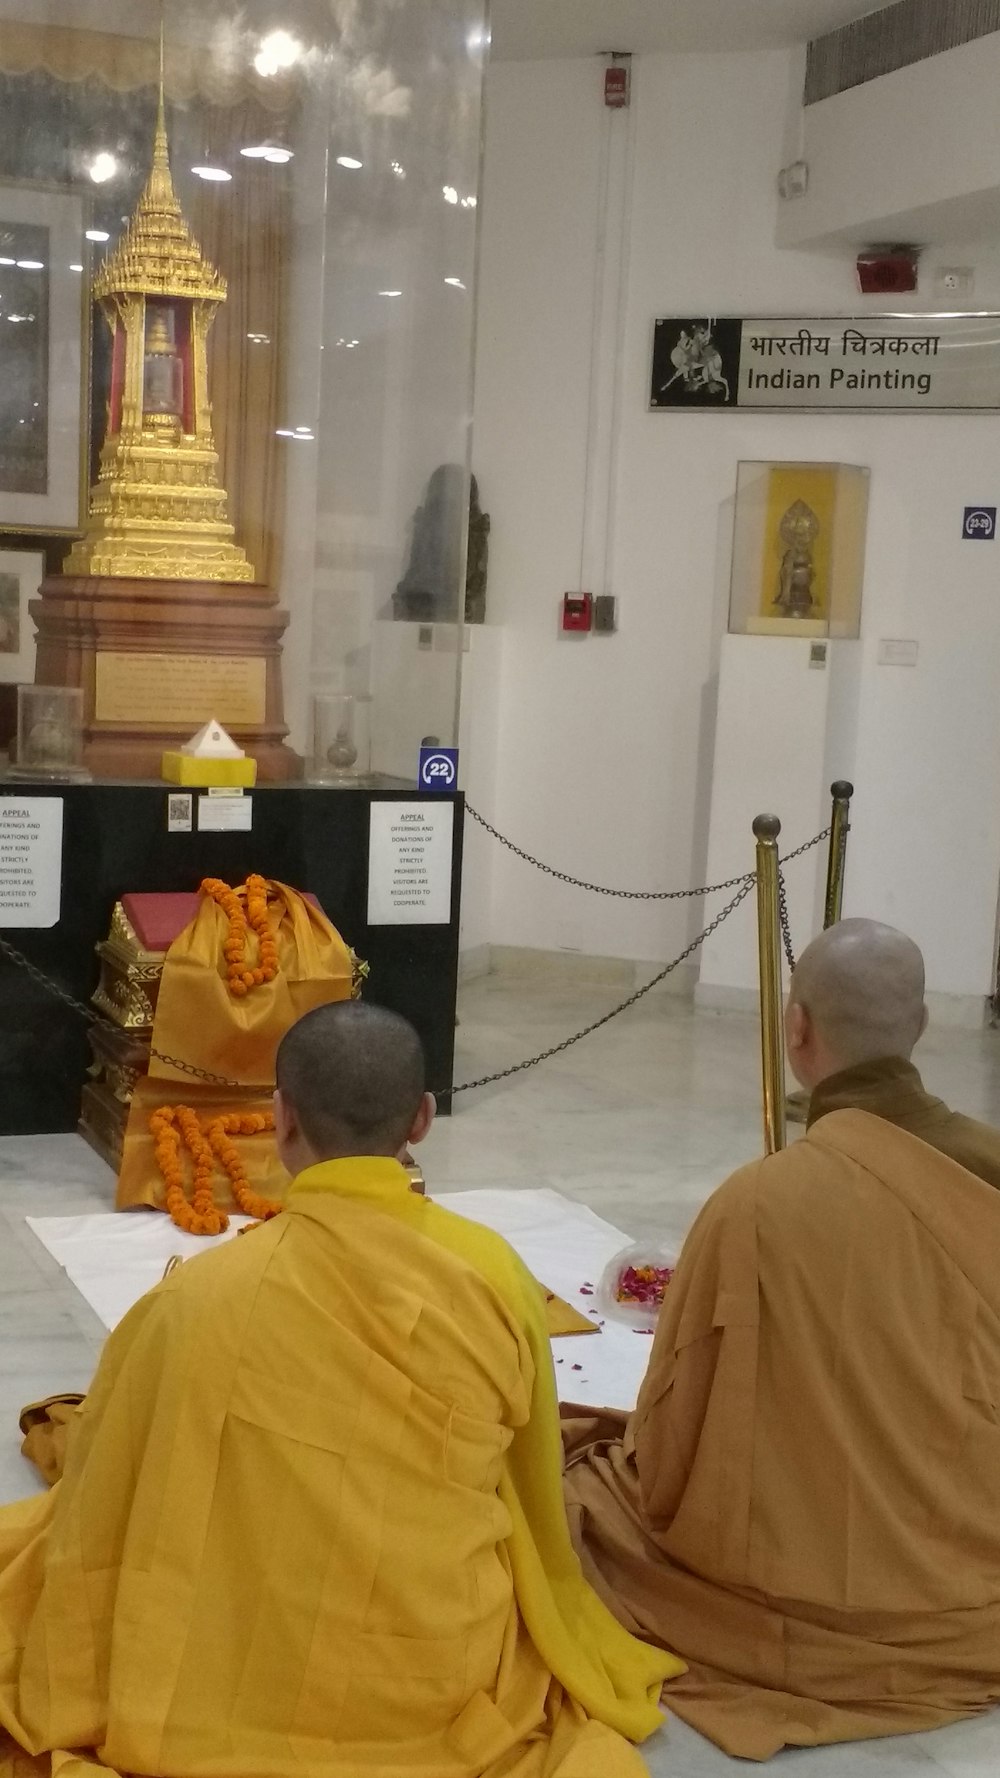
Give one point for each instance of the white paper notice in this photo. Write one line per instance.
(225, 814)
(30, 860)
(409, 863)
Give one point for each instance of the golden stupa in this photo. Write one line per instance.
(158, 510)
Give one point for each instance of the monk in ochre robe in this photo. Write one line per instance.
(867, 981)
(806, 1500)
(311, 1518)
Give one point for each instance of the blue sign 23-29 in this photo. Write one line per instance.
(979, 524)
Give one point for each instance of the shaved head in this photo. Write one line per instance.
(857, 995)
(351, 1076)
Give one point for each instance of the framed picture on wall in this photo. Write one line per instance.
(21, 575)
(43, 359)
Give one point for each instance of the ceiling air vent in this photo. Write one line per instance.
(896, 37)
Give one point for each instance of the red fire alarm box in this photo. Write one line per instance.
(616, 85)
(577, 612)
(889, 273)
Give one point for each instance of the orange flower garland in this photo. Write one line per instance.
(239, 975)
(242, 1124)
(174, 1126)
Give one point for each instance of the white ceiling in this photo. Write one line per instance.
(524, 29)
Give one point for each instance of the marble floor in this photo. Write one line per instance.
(640, 1121)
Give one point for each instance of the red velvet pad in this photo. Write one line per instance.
(157, 920)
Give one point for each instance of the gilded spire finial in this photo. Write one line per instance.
(161, 156)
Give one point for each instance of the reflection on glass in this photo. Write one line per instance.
(340, 367)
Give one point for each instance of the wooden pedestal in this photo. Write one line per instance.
(216, 651)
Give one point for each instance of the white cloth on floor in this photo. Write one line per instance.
(114, 1259)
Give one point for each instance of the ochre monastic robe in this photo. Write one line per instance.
(806, 1501)
(311, 1523)
(891, 1088)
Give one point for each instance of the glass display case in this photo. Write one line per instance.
(49, 733)
(798, 549)
(243, 318)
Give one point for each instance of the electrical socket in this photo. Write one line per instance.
(954, 280)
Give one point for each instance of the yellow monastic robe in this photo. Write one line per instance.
(311, 1523)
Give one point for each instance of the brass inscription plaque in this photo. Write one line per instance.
(172, 689)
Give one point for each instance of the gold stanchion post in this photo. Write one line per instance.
(766, 830)
(840, 826)
(797, 1104)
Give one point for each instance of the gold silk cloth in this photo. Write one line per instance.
(311, 1524)
(199, 1021)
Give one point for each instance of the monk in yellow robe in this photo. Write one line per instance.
(806, 1500)
(311, 1518)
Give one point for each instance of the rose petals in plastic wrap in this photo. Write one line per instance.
(633, 1283)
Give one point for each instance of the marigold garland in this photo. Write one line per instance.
(239, 975)
(175, 1126)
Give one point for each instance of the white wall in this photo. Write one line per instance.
(892, 159)
(604, 747)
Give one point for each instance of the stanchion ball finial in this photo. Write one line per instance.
(842, 790)
(766, 827)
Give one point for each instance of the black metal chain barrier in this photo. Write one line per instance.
(786, 930)
(562, 876)
(557, 1048)
(86, 1012)
(743, 886)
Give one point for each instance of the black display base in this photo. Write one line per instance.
(115, 842)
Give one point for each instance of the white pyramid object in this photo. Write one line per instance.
(212, 742)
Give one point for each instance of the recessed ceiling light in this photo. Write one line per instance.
(456, 283)
(4, 261)
(103, 167)
(31, 265)
(398, 169)
(267, 151)
(218, 174)
(76, 268)
(278, 50)
(98, 234)
(390, 293)
(449, 194)
(469, 203)
(259, 339)
(348, 161)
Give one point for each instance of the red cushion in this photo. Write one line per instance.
(157, 920)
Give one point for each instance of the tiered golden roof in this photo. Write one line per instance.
(158, 255)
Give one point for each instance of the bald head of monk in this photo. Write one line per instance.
(857, 995)
(350, 1082)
